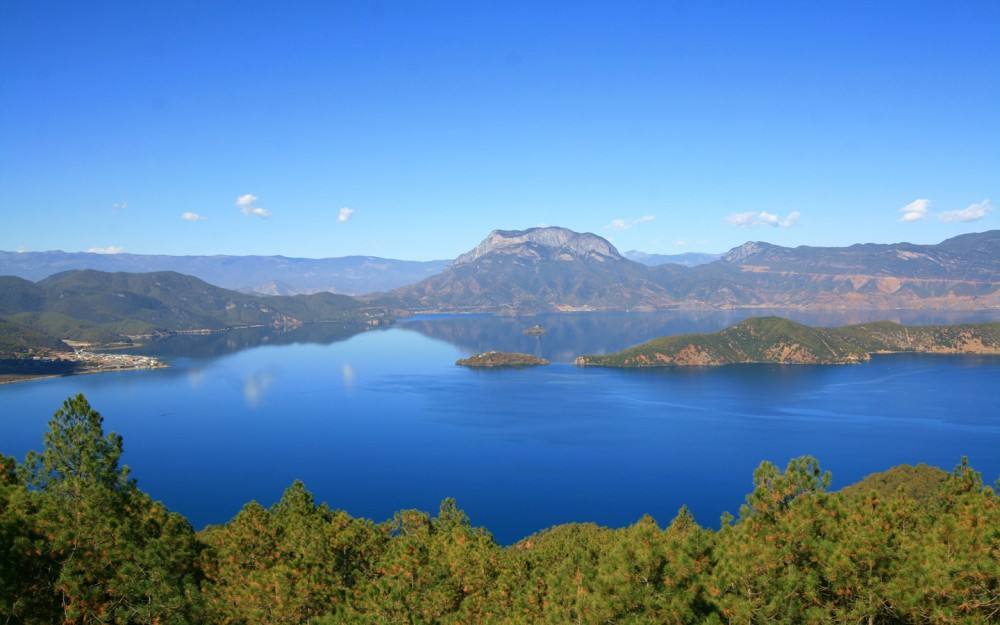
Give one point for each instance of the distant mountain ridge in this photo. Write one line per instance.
(269, 275)
(965, 257)
(688, 259)
(555, 269)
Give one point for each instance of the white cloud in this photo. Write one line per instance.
(111, 249)
(120, 205)
(625, 224)
(973, 212)
(246, 203)
(345, 214)
(915, 210)
(189, 216)
(763, 218)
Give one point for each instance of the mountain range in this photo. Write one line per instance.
(555, 269)
(688, 259)
(269, 275)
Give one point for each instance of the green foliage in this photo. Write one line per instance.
(921, 482)
(80, 544)
(97, 549)
(287, 564)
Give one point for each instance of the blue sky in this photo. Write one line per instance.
(665, 126)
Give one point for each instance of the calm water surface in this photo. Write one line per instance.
(384, 420)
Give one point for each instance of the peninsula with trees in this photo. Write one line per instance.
(774, 340)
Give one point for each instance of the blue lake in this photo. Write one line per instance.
(384, 420)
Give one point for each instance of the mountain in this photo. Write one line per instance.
(97, 306)
(966, 257)
(269, 275)
(555, 269)
(534, 270)
(961, 272)
(780, 341)
(688, 259)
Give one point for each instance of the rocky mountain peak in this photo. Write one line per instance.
(747, 250)
(548, 243)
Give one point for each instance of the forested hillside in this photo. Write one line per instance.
(97, 306)
(80, 543)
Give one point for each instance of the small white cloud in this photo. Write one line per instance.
(973, 212)
(763, 218)
(246, 203)
(189, 216)
(915, 210)
(680, 243)
(345, 214)
(120, 205)
(625, 224)
(111, 249)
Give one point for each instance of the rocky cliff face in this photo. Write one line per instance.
(538, 269)
(549, 243)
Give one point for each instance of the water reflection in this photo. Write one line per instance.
(222, 343)
(349, 375)
(255, 385)
(568, 335)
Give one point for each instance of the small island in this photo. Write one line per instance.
(501, 359)
(535, 330)
(773, 340)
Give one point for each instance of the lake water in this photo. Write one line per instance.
(384, 420)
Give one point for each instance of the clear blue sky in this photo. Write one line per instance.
(437, 122)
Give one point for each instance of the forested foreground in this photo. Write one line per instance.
(80, 543)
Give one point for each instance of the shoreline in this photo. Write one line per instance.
(80, 363)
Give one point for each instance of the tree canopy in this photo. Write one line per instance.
(80, 543)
